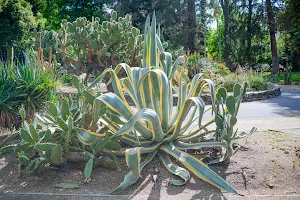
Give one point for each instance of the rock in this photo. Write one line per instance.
(271, 185)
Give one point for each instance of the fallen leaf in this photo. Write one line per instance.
(67, 186)
(23, 184)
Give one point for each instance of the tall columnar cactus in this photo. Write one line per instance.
(86, 46)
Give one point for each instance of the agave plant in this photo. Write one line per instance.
(155, 129)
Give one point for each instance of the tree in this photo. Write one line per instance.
(17, 25)
(171, 16)
(289, 25)
(191, 23)
(202, 30)
(227, 38)
(214, 47)
(72, 9)
(249, 34)
(49, 10)
(272, 30)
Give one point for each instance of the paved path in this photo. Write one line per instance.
(287, 104)
(280, 113)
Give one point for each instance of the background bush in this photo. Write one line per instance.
(221, 76)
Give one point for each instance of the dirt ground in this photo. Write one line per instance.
(266, 167)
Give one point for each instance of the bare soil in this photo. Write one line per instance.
(72, 90)
(267, 166)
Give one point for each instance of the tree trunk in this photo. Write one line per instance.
(225, 8)
(272, 30)
(249, 35)
(191, 26)
(123, 8)
(10, 55)
(219, 40)
(203, 27)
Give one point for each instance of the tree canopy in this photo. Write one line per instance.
(17, 22)
(240, 35)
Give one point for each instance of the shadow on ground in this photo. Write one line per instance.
(42, 185)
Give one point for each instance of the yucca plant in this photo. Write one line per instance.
(154, 129)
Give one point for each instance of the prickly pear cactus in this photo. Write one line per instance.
(227, 107)
(85, 46)
(49, 40)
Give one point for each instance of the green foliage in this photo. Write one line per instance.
(88, 167)
(269, 77)
(295, 77)
(194, 64)
(214, 43)
(170, 14)
(88, 46)
(257, 83)
(24, 84)
(289, 23)
(37, 148)
(73, 9)
(17, 23)
(70, 126)
(221, 76)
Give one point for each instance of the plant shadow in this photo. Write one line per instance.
(199, 189)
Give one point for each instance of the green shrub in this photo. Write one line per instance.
(67, 79)
(196, 64)
(27, 84)
(255, 80)
(257, 83)
(228, 82)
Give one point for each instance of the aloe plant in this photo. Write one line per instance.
(24, 83)
(154, 129)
